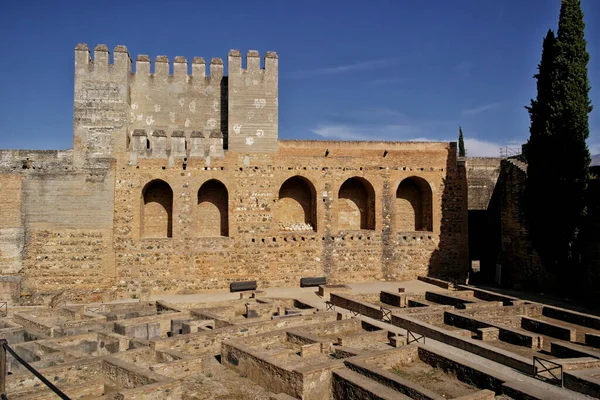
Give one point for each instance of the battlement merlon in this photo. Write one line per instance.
(252, 62)
(100, 65)
(180, 67)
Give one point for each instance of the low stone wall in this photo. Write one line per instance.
(205, 314)
(573, 317)
(209, 342)
(358, 306)
(548, 329)
(470, 345)
(363, 338)
(592, 339)
(437, 282)
(401, 385)
(162, 322)
(348, 384)
(568, 350)
(514, 336)
(393, 299)
(266, 372)
(487, 295)
(477, 376)
(585, 381)
(446, 299)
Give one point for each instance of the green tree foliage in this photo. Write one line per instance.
(461, 143)
(557, 154)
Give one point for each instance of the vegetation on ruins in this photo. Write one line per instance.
(557, 154)
(461, 143)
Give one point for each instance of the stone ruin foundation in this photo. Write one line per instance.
(422, 339)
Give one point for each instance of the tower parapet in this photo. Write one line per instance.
(253, 102)
(175, 101)
(100, 103)
(208, 112)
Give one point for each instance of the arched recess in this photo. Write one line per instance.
(297, 205)
(414, 208)
(356, 205)
(157, 210)
(212, 210)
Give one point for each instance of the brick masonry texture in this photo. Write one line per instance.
(178, 183)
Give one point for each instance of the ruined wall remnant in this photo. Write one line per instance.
(178, 182)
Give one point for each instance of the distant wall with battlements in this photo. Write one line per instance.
(177, 182)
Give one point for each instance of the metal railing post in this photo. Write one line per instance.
(3, 342)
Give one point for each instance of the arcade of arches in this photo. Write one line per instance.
(296, 207)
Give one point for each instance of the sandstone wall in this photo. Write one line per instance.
(62, 217)
(520, 263)
(11, 226)
(263, 242)
(482, 174)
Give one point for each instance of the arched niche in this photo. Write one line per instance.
(297, 205)
(212, 212)
(414, 205)
(157, 210)
(356, 205)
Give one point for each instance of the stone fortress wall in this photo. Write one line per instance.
(178, 183)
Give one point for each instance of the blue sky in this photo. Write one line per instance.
(349, 70)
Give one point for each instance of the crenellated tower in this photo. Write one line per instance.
(166, 112)
(253, 102)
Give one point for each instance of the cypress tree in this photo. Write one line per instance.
(461, 143)
(572, 129)
(541, 157)
(557, 154)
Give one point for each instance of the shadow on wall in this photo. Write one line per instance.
(356, 205)
(450, 260)
(157, 210)
(484, 237)
(520, 266)
(591, 238)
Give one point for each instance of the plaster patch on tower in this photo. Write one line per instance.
(260, 103)
(215, 105)
(139, 117)
(237, 128)
(211, 123)
(157, 108)
(187, 123)
(149, 120)
(249, 141)
(192, 106)
(181, 102)
(134, 106)
(260, 133)
(172, 116)
(250, 115)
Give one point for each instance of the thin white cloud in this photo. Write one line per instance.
(359, 66)
(342, 132)
(480, 109)
(405, 133)
(481, 148)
